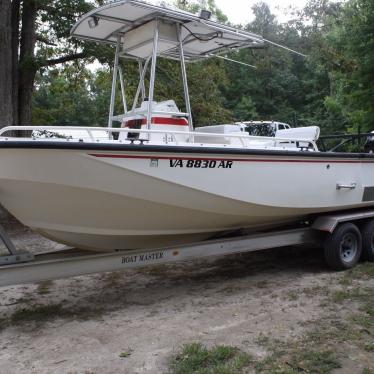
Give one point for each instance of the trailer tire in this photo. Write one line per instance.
(343, 247)
(367, 232)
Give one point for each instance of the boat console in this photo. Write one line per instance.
(165, 116)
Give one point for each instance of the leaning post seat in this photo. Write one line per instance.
(165, 116)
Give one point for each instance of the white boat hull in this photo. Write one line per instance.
(110, 199)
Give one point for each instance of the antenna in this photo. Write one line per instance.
(283, 47)
(235, 61)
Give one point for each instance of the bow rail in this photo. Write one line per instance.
(172, 133)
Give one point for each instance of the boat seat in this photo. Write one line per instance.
(310, 133)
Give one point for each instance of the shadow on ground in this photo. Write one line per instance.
(90, 297)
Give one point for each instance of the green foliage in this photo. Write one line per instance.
(332, 87)
(40, 314)
(37, 313)
(54, 22)
(126, 354)
(197, 359)
(245, 109)
(73, 95)
(299, 360)
(205, 80)
(62, 98)
(272, 90)
(352, 40)
(194, 7)
(367, 371)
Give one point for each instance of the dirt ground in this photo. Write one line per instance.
(136, 321)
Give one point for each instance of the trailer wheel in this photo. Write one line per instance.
(367, 232)
(343, 247)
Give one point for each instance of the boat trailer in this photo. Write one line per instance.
(347, 237)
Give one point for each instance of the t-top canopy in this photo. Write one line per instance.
(134, 22)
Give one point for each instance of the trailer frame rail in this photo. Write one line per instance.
(23, 267)
(72, 262)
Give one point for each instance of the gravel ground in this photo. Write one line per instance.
(85, 324)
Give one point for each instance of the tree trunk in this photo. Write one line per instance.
(27, 64)
(18, 64)
(15, 48)
(6, 84)
(6, 107)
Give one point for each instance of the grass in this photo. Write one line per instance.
(315, 361)
(361, 271)
(37, 313)
(299, 360)
(297, 356)
(367, 305)
(3, 324)
(44, 287)
(366, 269)
(319, 350)
(354, 293)
(340, 296)
(263, 340)
(113, 279)
(126, 354)
(292, 296)
(365, 321)
(44, 313)
(319, 290)
(353, 326)
(359, 325)
(195, 358)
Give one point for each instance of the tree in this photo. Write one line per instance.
(34, 36)
(194, 7)
(330, 88)
(205, 79)
(351, 45)
(269, 91)
(6, 109)
(62, 97)
(35, 40)
(245, 109)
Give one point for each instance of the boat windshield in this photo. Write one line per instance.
(264, 129)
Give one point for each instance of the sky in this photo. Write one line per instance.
(239, 11)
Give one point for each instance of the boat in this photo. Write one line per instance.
(156, 180)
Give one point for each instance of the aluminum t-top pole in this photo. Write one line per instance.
(141, 84)
(114, 82)
(123, 92)
(142, 81)
(153, 76)
(184, 77)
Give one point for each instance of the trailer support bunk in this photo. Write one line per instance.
(73, 262)
(24, 267)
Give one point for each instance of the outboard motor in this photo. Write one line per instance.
(369, 144)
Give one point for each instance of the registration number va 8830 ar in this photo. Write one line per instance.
(201, 164)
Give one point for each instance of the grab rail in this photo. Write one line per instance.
(90, 130)
(121, 117)
(359, 139)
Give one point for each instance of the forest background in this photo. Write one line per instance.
(48, 79)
